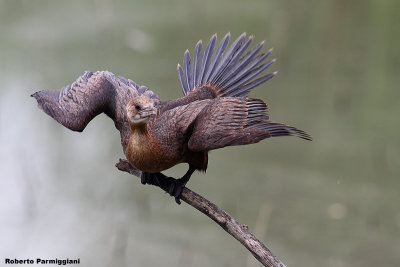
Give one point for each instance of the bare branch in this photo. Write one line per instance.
(239, 231)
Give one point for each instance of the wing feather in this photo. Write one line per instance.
(232, 121)
(75, 105)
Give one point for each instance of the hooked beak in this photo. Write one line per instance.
(144, 114)
(147, 112)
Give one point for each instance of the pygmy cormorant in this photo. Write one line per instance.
(156, 135)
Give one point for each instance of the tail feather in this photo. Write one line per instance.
(229, 70)
(246, 89)
(247, 76)
(186, 63)
(197, 58)
(182, 80)
(217, 57)
(244, 66)
(207, 58)
(228, 57)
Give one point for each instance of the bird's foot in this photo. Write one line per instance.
(146, 178)
(176, 188)
(157, 179)
(170, 185)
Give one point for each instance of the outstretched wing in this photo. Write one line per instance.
(230, 72)
(233, 121)
(75, 105)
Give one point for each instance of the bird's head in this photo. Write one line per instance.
(140, 109)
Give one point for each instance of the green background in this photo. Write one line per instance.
(330, 202)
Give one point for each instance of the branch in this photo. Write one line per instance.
(227, 222)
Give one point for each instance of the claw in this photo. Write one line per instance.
(176, 188)
(151, 178)
(172, 186)
(144, 178)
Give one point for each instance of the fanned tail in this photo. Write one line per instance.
(232, 72)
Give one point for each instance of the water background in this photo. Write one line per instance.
(330, 202)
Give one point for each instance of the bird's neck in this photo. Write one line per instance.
(138, 130)
(139, 135)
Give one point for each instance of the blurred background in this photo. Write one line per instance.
(330, 202)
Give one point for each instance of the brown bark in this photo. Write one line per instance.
(239, 231)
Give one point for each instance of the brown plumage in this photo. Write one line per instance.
(156, 135)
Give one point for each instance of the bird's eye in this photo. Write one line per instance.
(137, 107)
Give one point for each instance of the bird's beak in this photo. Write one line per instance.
(144, 115)
(151, 110)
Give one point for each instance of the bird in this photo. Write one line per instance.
(214, 112)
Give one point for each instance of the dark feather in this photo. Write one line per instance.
(241, 87)
(233, 61)
(182, 80)
(240, 78)
(227, 72)
(75, 105)
(240, 66)
(215, 61)
(213, 113)
(207, 58)
(227, 57)
(235, 121)
(246, 89)
(186, 64)
(197, 57)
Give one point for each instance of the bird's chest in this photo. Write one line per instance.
(148, 154)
